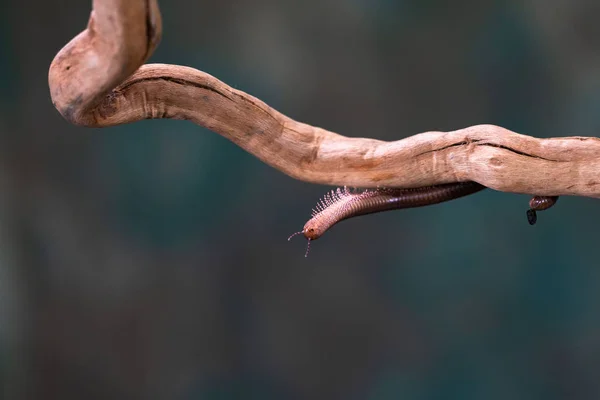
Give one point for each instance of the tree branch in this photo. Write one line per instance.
(98, 80)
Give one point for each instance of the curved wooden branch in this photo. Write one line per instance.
(96, 80)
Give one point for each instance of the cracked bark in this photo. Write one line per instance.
(98, 80)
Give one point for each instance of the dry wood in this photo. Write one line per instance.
(96, 80)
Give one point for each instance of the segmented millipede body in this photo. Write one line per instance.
(342, 204)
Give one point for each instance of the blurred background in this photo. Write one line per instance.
(150, 261)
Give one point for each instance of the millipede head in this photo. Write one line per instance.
(311, 233)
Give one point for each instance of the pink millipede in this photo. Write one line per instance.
(342, 203)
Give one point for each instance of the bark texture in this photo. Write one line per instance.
(99, 80)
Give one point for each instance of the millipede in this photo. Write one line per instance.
(344, 203)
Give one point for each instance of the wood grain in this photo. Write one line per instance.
(98, 80)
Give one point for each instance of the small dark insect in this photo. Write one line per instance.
(342, 204)
(539, 203)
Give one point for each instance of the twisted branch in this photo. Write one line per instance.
(98, 80)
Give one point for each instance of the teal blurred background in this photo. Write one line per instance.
(150, 261)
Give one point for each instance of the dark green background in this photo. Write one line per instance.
(150, 261)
